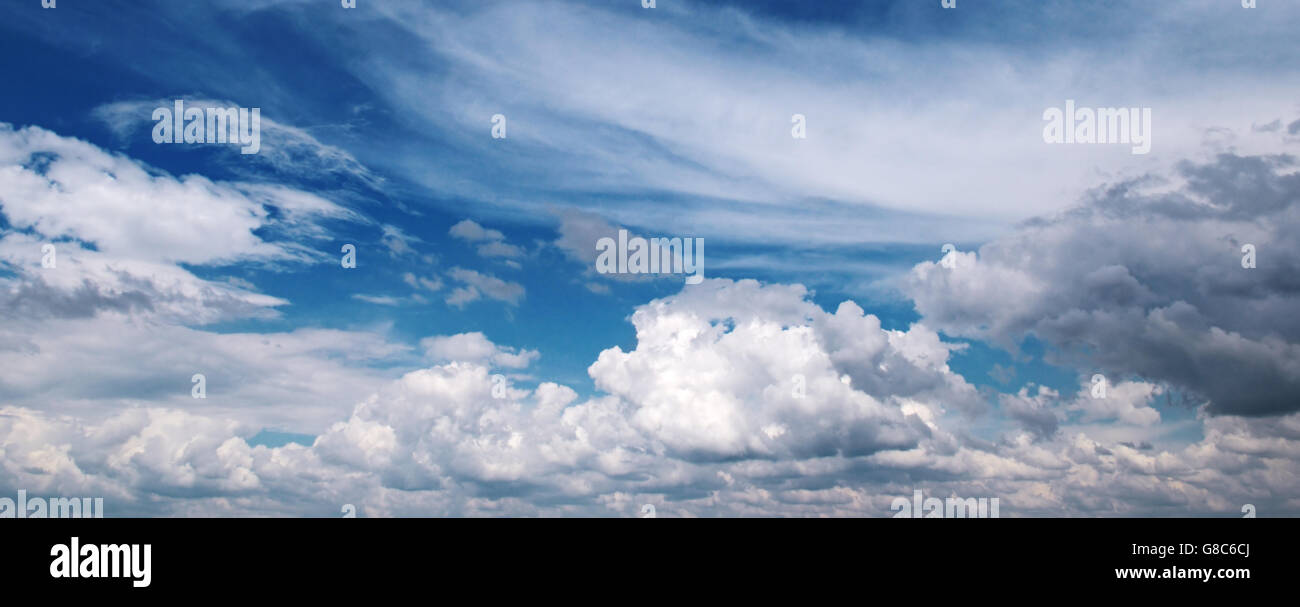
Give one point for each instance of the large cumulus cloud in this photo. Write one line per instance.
(715, 370)
(1145, 278)
(737, 397)
(698, 418)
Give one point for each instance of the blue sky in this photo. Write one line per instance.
(475, 256)
(298, 68)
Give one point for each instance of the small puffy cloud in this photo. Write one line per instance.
(420, 282)
(475, 347)
(1127, 402)
(1003, 374)
(579, 231)
(492, 243)
(475, 285)
(397, 241)
(460, 296)
(469, 230)
(499, 249)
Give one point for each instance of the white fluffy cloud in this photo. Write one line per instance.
(732, 370)
(475, 285)
(120, 231)
(111, 324)
(738, 398)
(475, 347)
(700, 418)
(491, 243)
(1127, 402)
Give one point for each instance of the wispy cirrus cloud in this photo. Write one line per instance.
(771, 393)
(286, 150)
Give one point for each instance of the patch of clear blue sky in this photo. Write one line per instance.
(274, 438)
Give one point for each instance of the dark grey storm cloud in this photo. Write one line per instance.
(1147, 278)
